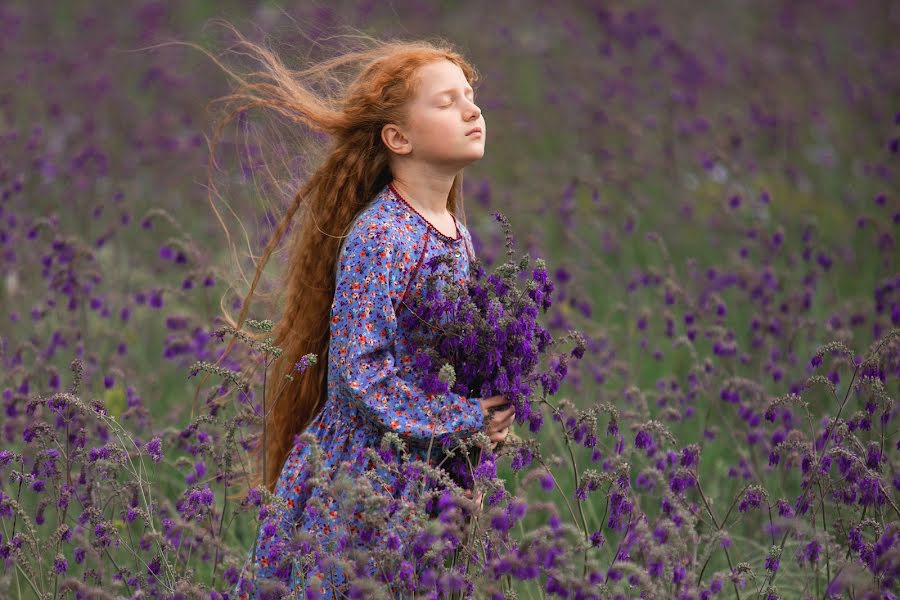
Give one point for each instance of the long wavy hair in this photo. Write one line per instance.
(349, 98)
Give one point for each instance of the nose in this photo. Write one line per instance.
(474, 111)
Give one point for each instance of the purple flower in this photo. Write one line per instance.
(305, 362)
(269, 529)
(522, 458)
(156, 299)
(802, 504)
(254, 496)
(810, 553)
(6, 457)
(197, 503)
(855, 539)
(690, 455)
(680, 480)
(643, 440)
(612, 428)
(487, 469)
(154, 449)
(752, 499)
(546, 482)
(95, 454)
(870, 491)
(660, 535)
(28, 434)
(873, 456)
(784, 509)
(154, 566)
(501, 522)
(103, 531)
(176, 322)
(619, 507)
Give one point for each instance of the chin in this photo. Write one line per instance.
(477, 154)
(470, 159)
(461, 160)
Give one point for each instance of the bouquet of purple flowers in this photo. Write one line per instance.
(481, 337)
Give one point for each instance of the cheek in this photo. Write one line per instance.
(435, 128)
(443, 120)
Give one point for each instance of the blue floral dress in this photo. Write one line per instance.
(372, 387)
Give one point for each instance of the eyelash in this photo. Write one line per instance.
(451, 103)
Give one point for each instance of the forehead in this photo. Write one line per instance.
(441, 75)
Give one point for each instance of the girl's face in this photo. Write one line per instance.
(441, 117)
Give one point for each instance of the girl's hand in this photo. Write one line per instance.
(498, 437)
(498, 427)
(468, 494)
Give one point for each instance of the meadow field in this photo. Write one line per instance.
(712, 187)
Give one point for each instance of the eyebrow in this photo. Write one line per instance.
(451, 90)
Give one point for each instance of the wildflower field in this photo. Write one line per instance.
(687, 216)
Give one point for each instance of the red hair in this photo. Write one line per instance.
(382, 81)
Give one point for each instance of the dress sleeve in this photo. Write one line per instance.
(363, 328)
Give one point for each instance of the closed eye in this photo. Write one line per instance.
(452, 101)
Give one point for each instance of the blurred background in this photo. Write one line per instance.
(712, 185)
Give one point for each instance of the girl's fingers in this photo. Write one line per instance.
(491, 406)
(504, 424)
(499, 435)
(504, 416)
(501, 426)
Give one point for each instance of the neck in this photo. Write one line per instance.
(426, 192)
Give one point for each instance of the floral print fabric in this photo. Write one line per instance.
(372, 386)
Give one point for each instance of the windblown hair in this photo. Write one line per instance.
(382, 81)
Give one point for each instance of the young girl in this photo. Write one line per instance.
(385, 201)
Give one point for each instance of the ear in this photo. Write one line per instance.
(395, 140)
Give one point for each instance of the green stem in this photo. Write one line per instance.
(712, 516)
(562, 493)
(584, 524)
(834, 422)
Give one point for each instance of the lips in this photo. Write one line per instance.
(476, 129)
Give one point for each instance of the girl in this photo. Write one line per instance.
(385, 200)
